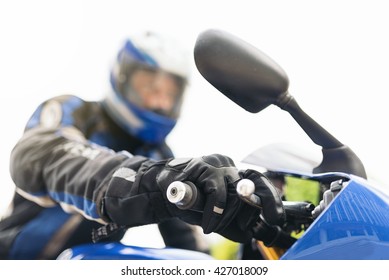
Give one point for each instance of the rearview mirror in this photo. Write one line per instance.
(239, 70)
(254, 81)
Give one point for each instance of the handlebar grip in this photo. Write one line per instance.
(185, 196)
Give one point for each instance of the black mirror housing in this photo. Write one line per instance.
(254, 81)
(240, 71)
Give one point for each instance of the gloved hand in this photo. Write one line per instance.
(215, 177)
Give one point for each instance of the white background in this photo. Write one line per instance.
(335, 54)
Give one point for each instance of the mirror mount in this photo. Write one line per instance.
(254, 81)
(315, 131)
(336, 156)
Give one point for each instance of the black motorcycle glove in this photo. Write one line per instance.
(215, 176)
(273, 211)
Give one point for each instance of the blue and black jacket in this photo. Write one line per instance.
(62, 167)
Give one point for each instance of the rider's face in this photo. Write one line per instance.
(158, 91)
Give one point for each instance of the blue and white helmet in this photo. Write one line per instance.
(161, 58)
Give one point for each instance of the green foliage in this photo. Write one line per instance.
(298, 189)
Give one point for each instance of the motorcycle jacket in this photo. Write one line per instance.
(68, 153)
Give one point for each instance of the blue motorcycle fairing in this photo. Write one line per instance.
(354, 226)
(119, 251)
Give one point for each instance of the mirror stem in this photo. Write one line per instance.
(336, 156)
(316, 132)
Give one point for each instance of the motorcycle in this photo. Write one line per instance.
(350, 218)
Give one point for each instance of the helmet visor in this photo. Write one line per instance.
(152, 89)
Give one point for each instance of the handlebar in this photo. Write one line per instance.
(186, 196)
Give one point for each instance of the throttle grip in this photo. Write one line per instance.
(185, 196)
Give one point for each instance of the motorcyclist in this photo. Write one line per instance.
(104, 166)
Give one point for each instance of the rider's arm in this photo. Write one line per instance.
(53, 163)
